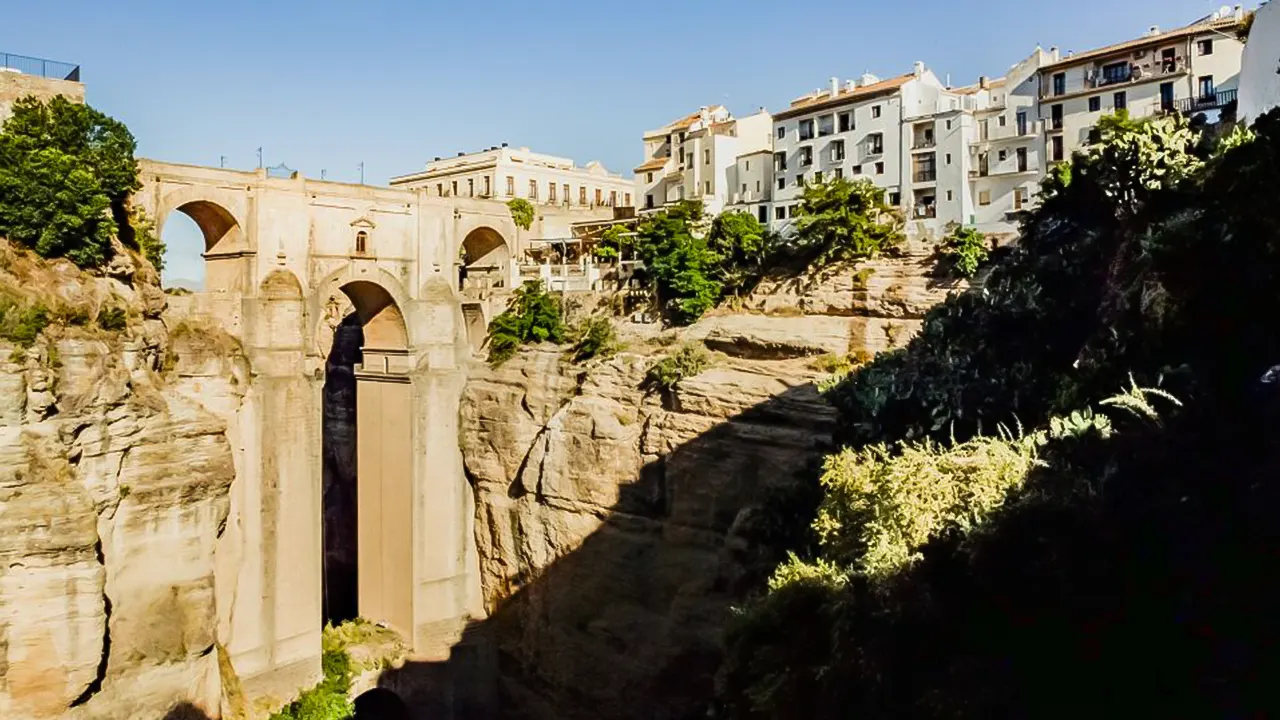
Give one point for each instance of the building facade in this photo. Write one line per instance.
(707, 156)
(504, 173)
(22, 76)
(1190, 70)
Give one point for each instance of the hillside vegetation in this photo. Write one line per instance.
(1059, 499)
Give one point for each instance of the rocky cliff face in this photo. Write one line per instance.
(113, 490)
(617, 525)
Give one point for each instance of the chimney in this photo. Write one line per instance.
(849, 85)
(835, 86)
(460, 154)
(918, 69)
(867, 79)
(1238, 12)
(704, 114)
(1153, 31)
(504, 144)
(1053, 53)
(982, 82)
(437, 159)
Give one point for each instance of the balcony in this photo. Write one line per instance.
(925, 176)
(924, 143)
(924, 212)
(1134, 72)
(23, 65)
(1187, 106)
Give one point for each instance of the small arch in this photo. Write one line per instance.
(486, 260)
(380, 316)
(380, 704)
(281, 285)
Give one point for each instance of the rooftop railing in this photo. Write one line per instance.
(39, 67)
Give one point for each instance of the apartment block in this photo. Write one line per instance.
(1190, 70)
(503, 173)
(710, 156)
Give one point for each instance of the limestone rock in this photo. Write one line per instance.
(774, 337)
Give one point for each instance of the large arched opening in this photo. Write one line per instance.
(380, 704)
(367, 459)
(486, 261)
(202, 240)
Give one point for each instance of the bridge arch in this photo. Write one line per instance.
(485, 258)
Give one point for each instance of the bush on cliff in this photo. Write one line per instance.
(1135, 551)
(533, 315)
(840, 219)
(66, 171)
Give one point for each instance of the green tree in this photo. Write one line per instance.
(677, 257)
(533, 315)
(963, 250)
(742, 245)
(521, 212)
(840, 219)
(66, 171)
(612, 242)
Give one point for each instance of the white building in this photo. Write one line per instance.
(1193, 69)
(908, 134)
(710, 156)
(1259, 81)
(503, 172)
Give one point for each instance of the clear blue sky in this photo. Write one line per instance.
(323, 84)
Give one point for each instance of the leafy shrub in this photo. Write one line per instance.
(143, 231)
(113, 319)
(65, 169)
(22, 321)
(533, 315)
(328, 699)
(683, 267)
(596, 337)
(686, 362)
(612, 242)
(522, 212)
(963, 250)
(841, 219)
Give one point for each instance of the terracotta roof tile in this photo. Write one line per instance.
(652, 164)
(811, 102)
(1175, 34)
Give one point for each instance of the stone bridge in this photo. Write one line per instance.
(289, 263)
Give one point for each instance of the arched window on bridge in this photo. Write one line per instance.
(362, 242)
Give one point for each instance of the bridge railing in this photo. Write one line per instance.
(41, 67)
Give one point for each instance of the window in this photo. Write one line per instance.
(948, 158)
(782, 183)
(1115, 73)
(845, 121)
(800, 180)
(599, 197)
(648, 202)
(511, 186)
(817, 176)
(857, 170)
(806, 129)
(1166, 97)
(1057, 148)
(471, 187)
(780, 213)
(837, 151)
(1095, 104)
(880, 168)
(533, 189)
(1022, 122)
(1119, 101)
(439, 189)
(838, 173)
(744, 188)
(551, 193)
(706, 156)
(747, 165)
(806, 156)
(362, 242)
(1055, 115)
(982, 129)
(762, 213)
(779, 161)
(1019, 197)
(706, 187)
(1204, 47)
(453, 188)
(875, 111)
(565, 187)
(757, 186)
(681, 158)
(1022, 159)
(826, 125)
(984, 197)
(1206, 87)
(949, 196)
(948, 124)
(488, 186)
(1000, 121)
(648, 177)
(613, 198)
(782, 132)
(1059, 83)
(1003, 154)
(895, 199)
(875, 142)
(582, 195)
